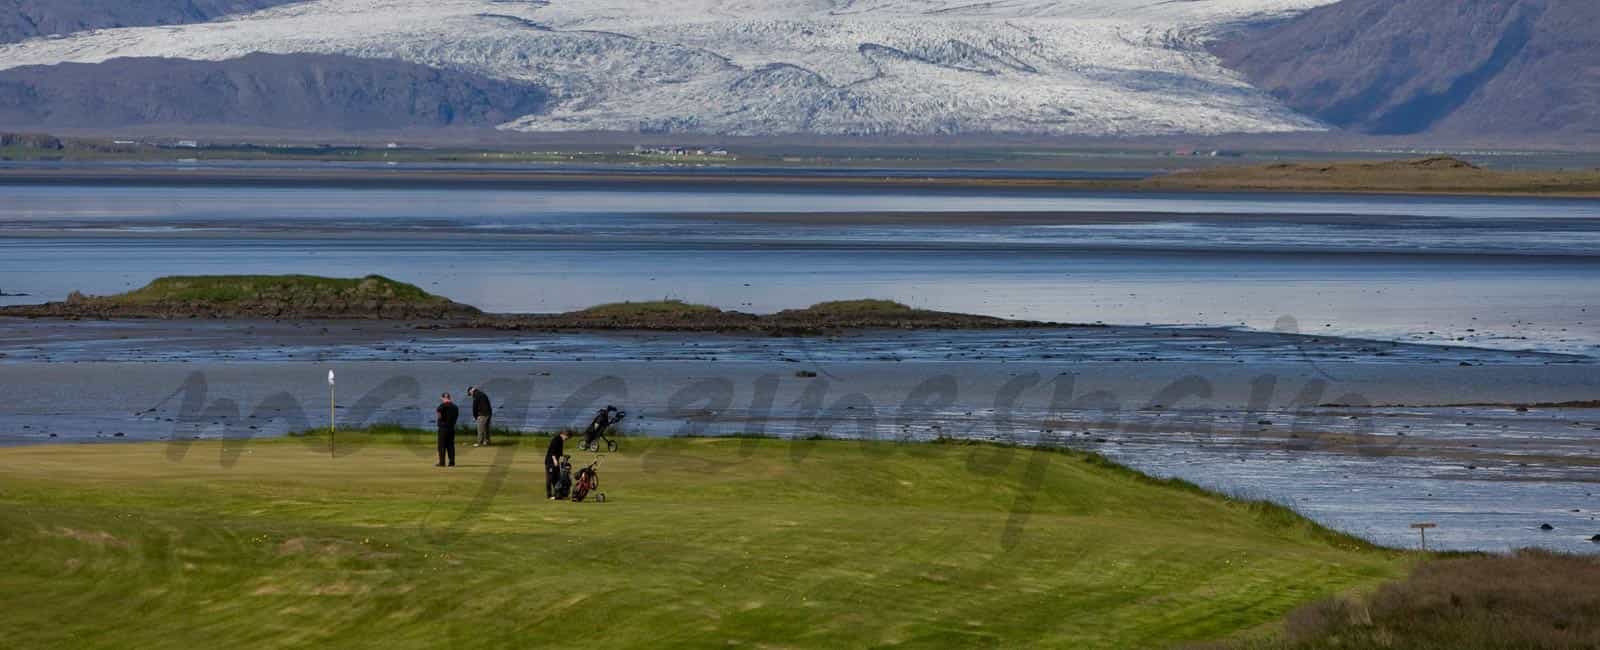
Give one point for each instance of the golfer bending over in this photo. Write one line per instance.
(448, 413)
(552, 463)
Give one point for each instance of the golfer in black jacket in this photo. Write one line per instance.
(448, 414)
(482, 413)
(552, 463)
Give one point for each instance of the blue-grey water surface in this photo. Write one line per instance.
(1505, 273)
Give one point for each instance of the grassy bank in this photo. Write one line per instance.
(224, 289)
(675, 315)
(1531, 599)
(374, 297)
(703, 542)
(1440, 175)
(260, 297)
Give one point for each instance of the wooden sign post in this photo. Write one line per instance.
(1422, 529)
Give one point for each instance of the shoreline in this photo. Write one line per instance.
(1304, 440)
(272, 233)
(401, 178)
(729, 323)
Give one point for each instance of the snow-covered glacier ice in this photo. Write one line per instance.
(750, 67)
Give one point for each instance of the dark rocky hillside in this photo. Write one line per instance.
(1440, 67)
(23, 19)
(260, 90)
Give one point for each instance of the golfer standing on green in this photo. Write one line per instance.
(482, 413)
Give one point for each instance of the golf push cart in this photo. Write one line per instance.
(603, 420)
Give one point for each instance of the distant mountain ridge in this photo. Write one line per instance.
(1440, 67)
(24, 19)
(260, 90)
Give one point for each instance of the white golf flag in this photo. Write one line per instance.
(330, 377)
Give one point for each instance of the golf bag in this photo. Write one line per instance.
(588, 479)
(603, 420)
(564, 478)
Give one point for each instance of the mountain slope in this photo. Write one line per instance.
(1107, 67)
(1442, 67)
(23, 19)
(259, 90)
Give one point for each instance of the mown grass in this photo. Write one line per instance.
(702, 543)
(221, 289)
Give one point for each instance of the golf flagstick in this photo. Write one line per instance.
(330, 414)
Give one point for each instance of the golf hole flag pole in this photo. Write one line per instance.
(330, 413)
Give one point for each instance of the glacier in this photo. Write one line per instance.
(770, 67)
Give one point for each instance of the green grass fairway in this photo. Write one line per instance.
(702, 543)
